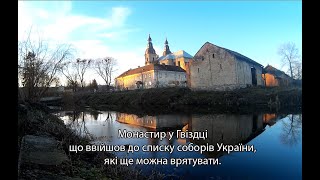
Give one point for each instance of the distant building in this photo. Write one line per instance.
(275, 77)
(152, 76)
(212, 68)
(218, 68)
(165, 71)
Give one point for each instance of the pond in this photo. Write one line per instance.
(277, 139)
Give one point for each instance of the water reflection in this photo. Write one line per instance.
(291, 130)
(274, 135)
(222, 128)
(159, 123)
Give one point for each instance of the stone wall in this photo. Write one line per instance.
(170, 79)
(213, 68)
(244, 76)
(181, 62)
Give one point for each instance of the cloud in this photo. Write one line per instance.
(89, 35)
(56, 22)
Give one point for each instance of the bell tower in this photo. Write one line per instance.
(166, 50)
(150, 54)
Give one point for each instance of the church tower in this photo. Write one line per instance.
(150, 54)
(166, 48)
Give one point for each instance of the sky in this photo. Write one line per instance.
(120, 29)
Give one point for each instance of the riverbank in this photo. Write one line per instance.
(38, 128)
(166, 100)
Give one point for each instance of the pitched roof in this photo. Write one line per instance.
(182, 53)
(272, 70)
(151, 67)
(233, 53)
(169, 56)
(175, 55)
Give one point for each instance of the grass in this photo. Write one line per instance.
(183, 99)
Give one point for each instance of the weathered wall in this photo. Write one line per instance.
(170, 79)
(208, 72)
(150, 59)
(243, 73)
(244, 76)
(213, 68)
(181, 62)
(271, 80)
(129, 82)
(152, 79)
(167, 62)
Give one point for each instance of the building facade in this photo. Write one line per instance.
(165, 71)
(212, 68)
(152, 76)
(274, 77)
(217, 68)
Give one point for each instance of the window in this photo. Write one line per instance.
(179, 63)
(202, 58)
(198, 70)
(220, 67)
(213, 55)
(153, 58)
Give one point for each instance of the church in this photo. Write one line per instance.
(211, 68)
(169, 70)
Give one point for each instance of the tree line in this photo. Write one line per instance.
(39, 67)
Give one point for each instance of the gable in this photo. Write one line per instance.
(204, 49)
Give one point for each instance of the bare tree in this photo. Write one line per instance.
(105, 68)
(70, 72)
(292, 129)
(82, 66)
(297, 70)
(38, 65)
(290, 55)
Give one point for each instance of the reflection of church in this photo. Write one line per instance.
(169, 70)
(222, 128)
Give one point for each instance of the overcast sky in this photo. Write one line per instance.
(120, 28)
